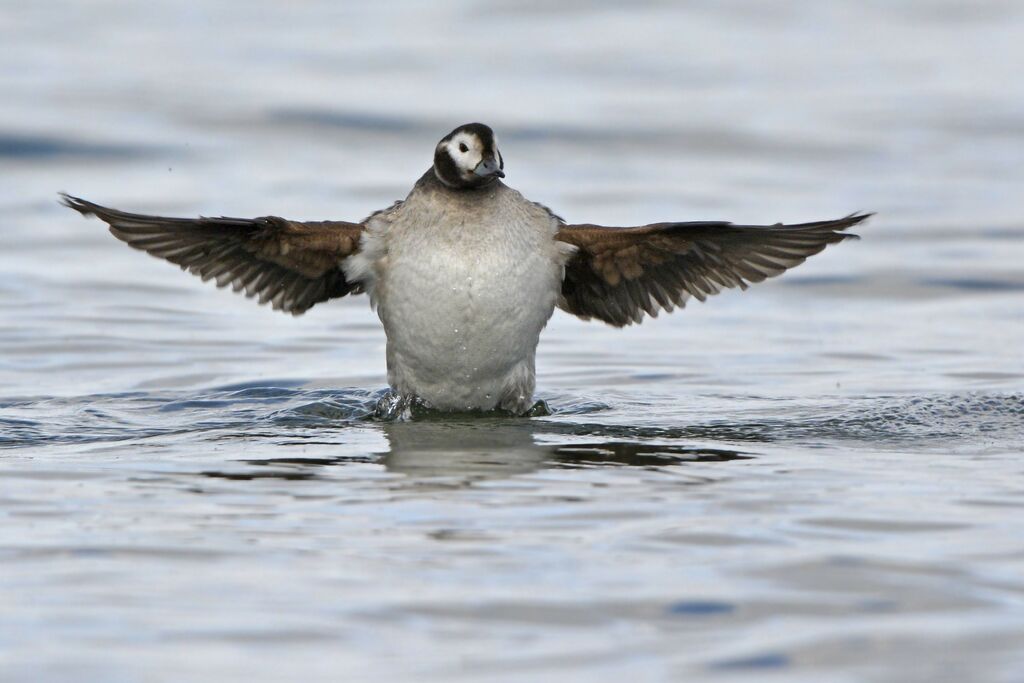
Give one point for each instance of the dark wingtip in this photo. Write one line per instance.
(80, 205)
(858, 217)
(855, 218)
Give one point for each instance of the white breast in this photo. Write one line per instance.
(463, 290)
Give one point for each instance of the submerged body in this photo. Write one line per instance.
(463, 284)
(465, 272)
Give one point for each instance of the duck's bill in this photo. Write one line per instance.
(488, 168)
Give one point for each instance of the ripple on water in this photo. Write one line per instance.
(880, 420)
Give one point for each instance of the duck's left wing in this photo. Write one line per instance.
(289, 264)
(619, 274)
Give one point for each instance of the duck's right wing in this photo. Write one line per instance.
(619, 274)
(289, 264)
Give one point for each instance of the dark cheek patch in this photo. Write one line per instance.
(446, 169)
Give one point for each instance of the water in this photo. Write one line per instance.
(818, 479)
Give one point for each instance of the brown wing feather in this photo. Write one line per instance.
(619, 274)
(289, 264)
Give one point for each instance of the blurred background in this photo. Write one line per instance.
(610, 114)
(184, 469)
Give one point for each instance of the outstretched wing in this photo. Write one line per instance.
(289, 264)
(619, 274)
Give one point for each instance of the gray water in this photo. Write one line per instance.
(818, 479)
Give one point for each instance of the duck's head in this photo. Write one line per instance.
(468, 157)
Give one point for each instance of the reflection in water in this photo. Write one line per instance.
(463, 449)
(640, 454)
(503, 448)
(490, 448)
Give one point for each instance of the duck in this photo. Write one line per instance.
(465, 272)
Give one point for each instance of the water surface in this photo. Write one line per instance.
(818, 479)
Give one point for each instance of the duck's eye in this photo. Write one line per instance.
(463, 148)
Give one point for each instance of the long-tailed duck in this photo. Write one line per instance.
(465, 272)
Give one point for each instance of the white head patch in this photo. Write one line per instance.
(466, 150)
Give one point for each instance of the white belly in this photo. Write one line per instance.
(464, 283)
(463, 325)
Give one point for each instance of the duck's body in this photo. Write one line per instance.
(465, 272)
(463, 283)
